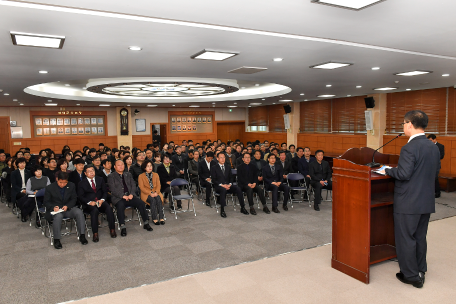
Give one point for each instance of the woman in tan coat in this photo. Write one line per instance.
(149, 184)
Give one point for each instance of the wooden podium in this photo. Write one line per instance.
(362, 226)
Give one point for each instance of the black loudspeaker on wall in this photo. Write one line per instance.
(370, 102)
(287, 109)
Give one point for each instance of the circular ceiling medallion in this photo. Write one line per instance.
(163, 89)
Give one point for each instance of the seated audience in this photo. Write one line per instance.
(19, 180)
(178, 160)
(222, 180)
(193, 168)
(157, 161)
(204, 174)
(167, 172)
(61, 195)
(273, 181)
(92, 194)
(247, 179)
(123, 194)
(320, 177)
(149, 184)
(51, 170)
(303, 164)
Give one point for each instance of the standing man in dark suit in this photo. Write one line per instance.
(414, 201)
(222, 180)
(320, 177)
(273, 181)
(61, 195)
(204, 174)
(92, 193)
(441, 147)
(247, 174)
(123, 194)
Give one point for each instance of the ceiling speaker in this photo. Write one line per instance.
(370, 102)
(287, 109)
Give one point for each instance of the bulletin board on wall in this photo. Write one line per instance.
(68, 123)
(191, 122)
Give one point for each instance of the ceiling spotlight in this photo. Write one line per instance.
(104, 105)
(234, 102)
(328, 85)
(195, 106)
(21, 104)
(375, 68)
(37, 40)
(257, 84)
(213, 55)
(135, 48)
(277, 59)
(49, 100)
(263, 99)
(348, 95)
(358, 87)
(385, 89)
(14, 99)
(349, 4)
(408, 89)
(413, 73)
(78, 104)
(174, 105)
(325, 96)
(232, 106)
(67, 85)
(330, 65)
(6, 94)
(305, 99)
(250, 106)
(445, 75)
(43, 72)
(302, 94)
(148, 106)
(50, 104)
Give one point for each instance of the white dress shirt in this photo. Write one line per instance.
(23, 178)
(416, 135)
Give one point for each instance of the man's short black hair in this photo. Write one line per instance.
(101, 144)
(104, 161)
(78, 161)
(210, 154)
(418, 118)
(282, 152)
(284, 143)
(289, 147)
(89, 166)
(20, 160)
(257, 151)
(432, 136)
(36, 168)
(271, 155)
(95, 157)
(62, 175)
(92, 150)
(318, 151)
(299, 148)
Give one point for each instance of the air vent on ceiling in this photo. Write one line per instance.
(247, 70)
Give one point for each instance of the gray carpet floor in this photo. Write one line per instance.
(32, 271)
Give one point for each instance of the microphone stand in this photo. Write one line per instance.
(373, 164)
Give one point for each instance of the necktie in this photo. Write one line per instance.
(273, 170)
(94, 188)
(223, 169)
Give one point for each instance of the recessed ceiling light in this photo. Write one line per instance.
(358, 87)
(37, 40)
(277, 59)
(446, 75)
(348, 95)
(67, 85)
(43, 72)
(327, 95)
(328, 85)
(213, 106)
(330, 65)
(104, 105)
(49, 100)
(135, 48)
(302, 94)
(255, 103)
(242, 87)
(385, 89)
(213, 103)
(14, 99)
(174, 105)
(350, 4)
(234, 102)
(78, 104)
(257, 84)
(250, 106)
(6, 94)
(273, 103)
(213, 55)
(50, 104)
(232, 106)
(263, 99)
(305, 99)
(285, 100)
(375, 68)
(21, 104)
(413, 73)
(148, 106)
(195, 106)
(128, 105)
(408, 89)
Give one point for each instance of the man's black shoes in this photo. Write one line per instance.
(417, 284)
(147, 227)
(244, 211)
(123, 232)
(57, 244)
(83, 240)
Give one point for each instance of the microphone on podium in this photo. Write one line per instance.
(373, 164)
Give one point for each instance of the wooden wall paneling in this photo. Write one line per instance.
(5, 134)
(141, 141)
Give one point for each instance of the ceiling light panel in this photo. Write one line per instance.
(213, 55)
(413, 73)
(330, 65)
(325, 96)
(50, 104)
(350, 4)
(385, 89)
(37, 40)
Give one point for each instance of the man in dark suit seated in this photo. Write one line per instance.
(320, 177)
(123, 194)
(222, 180)
(273, 181)
(441, 147)
(92, 193)
(303, 164)
(295, 160)
(178, 160)
(51, 170)
(247, 178)
(193, 168)
(61, 195)
(167, 172)
(285, 163)
(19, 178)
(414, 201)
(204, 174)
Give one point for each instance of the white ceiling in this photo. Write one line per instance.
(97, 46)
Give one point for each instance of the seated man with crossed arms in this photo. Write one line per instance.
(221, 178)
(123, 195)
(61, 194)
(92, 193)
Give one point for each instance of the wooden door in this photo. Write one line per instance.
(163, 134)
(230, 131)
(4, 134)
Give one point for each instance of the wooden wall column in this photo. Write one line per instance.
(375, 137)
(292, 134)
(124, 140)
